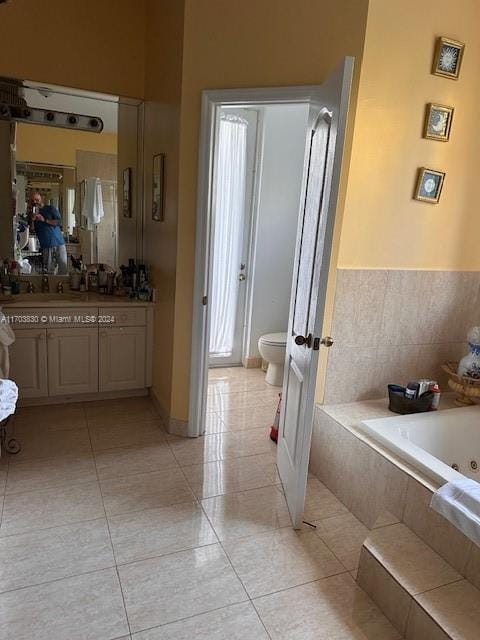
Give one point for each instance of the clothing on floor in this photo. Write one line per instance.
(8, 398)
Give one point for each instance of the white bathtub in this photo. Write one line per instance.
(432, 442)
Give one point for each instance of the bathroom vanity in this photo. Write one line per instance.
(79, 346)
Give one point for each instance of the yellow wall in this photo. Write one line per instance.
(97, 45)
(52, 145)
(257, 43)
(162, 135)
(383, 226)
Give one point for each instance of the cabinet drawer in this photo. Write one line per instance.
(123, 316)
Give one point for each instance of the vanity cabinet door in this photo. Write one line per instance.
(28, 362)
(72, 361)
(122, 358)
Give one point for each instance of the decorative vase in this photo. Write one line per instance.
(469, 365)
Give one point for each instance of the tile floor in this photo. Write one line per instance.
(112, 529)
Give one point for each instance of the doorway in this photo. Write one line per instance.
(258, 167)
(323, 149)
(234, 177)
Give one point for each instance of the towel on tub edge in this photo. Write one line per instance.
(459, 503)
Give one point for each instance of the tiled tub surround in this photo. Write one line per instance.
(392, 500)
(392, 326)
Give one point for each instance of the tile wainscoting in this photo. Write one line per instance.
(392, 326)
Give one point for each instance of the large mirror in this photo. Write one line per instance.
(58, 177)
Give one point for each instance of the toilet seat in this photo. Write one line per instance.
(274, 339)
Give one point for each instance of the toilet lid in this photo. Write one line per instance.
(274, 338)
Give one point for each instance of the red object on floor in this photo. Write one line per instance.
(276, 421)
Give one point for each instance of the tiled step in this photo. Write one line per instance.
(420, 593)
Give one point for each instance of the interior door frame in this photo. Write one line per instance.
(212, 100)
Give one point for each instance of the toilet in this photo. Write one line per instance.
(272, 349)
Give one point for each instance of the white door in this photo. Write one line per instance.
(72, 361)
(323, 159)
(122, 358)
(234, 166)
(28, 362)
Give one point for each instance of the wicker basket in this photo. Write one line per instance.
(467, 389)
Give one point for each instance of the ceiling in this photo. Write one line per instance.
(56, 98)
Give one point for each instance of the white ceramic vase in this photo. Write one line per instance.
(469, 365)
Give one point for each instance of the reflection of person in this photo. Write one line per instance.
(48, 227)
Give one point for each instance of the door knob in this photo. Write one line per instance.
(242, 277)
(301, 340)
(327, 341)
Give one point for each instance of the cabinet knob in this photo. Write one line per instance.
(103, 334)
(41, 336)
(50, 336)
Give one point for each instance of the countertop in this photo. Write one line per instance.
(68, 299)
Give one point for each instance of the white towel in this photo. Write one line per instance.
(7, 337)
(459, 503)
(92, 208)
(8, 398)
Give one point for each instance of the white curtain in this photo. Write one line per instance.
(228, 222)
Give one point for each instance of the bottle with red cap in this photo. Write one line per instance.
(436, 397)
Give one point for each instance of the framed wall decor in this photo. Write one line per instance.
(438, 122)
(429, 185)
(127, 192)
(158, 187)
(448, 58)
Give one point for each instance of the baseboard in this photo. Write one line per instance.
(81, 397)
(252, 363)
(178, 427)
(161, 410)
(173, 426)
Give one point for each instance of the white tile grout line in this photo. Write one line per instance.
(68, 577)
(110, 538)
(161, 555)
(4, 492)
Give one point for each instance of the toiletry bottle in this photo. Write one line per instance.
(142, 274)
(424, 386)
(110, 282)
(132, 270)
(14, 277)
(411, 390)
(436, 397)
(83, 282)
(5, 277)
